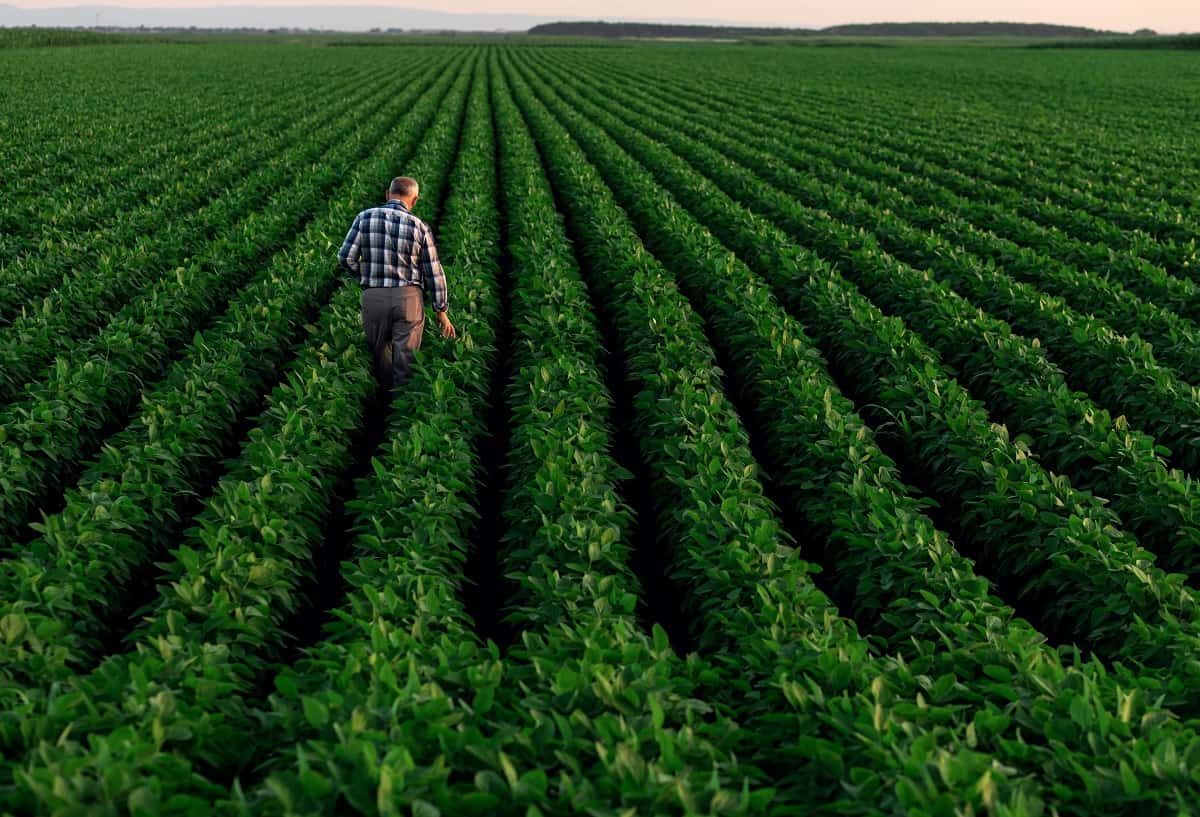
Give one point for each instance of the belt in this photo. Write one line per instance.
(389, 286)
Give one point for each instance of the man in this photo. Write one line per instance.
(393, 254)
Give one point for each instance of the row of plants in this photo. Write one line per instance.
(73, 125)
(46, 207)
(159, 729)
(824, 720)
(1024, 249)
(864, 132)
(156, 730)
(575, 716)
(114, 267)
(1005, 116)
(399, 683)
(973, 172)
(1131, 176)
(1056, 549)
(637, 739)
(902, 576)
(1070, 234)
(62, 420)
(65, 256)
(79, 116)
(1069, 432)
(1119, 372)
(60, 590)
(90, 154)
(1116, 207)
(1096, 292)
(955, 202)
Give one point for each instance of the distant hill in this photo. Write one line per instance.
(665, 30)
(963, 30)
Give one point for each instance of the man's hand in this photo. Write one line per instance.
(443, 322)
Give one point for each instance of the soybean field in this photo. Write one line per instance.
(821, 436)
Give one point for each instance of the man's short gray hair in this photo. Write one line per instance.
(404, 186)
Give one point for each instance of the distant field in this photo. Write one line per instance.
(821, 436)
(52, 37)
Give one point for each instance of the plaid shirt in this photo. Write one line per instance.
(388, 246)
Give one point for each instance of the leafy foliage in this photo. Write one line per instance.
(908, 364)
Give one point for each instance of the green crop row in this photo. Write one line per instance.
(219, 168)
(154, 730)
(90, 165)
(157, 726)
(1069, 234)
(951, 217)
(61, 420)
(79, 106)
(1050, 542)
(51, 212)
(1131, 178)
(1047, 540)
(623, 703)
(399, 682)
(1002, 177)
(1119, 372)
(116, 266)
(452, 737)
(60, 590)
(1073, 435)
(902, 574)
(948, 213)
(824, 721)
(865, 132)
(1122, 211)
(1016, 123)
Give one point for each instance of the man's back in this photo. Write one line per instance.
(388, 246)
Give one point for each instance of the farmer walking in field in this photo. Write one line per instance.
(393, 254)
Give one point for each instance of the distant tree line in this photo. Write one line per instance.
(667, 30)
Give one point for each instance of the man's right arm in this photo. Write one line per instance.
(348, 254)
(435, 280)
(432, 274)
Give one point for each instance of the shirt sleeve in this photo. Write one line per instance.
(348, 254)
(432, 272)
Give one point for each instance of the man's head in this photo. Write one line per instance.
(405, 189)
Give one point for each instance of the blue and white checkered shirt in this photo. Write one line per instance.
(388, 246)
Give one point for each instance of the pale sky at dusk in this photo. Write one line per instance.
(1121, 15)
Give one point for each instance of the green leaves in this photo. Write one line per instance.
(959, 602)
(220, 614)
(704, 235)
(315, 712)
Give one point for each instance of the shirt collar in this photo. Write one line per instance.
(393, 203)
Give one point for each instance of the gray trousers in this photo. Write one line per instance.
(394, 319)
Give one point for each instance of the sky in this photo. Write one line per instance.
(1118, 15)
